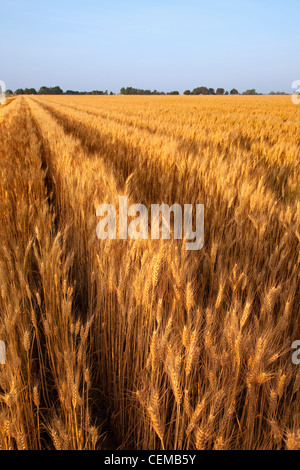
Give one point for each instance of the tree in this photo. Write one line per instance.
(220, 91)
(173, 92)
(137, 91)
(234, 91)
(277, 93)
(9, 92)
(56, 91)
(19, 91)
(44, 90)
(250, 92)
(187, 92)
(30, 91)
(201, 90)
(211, 91)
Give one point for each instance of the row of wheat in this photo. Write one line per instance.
(45, 384)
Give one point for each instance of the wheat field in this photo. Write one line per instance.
(140, 344)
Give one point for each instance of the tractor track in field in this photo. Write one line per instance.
(110, 149)
(275, 180)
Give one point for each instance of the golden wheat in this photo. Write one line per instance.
(189, 350)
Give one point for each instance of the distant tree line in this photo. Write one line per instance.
(44, 90)
(197, 91)
(138, 91)
(94, 92)
(277, 93)
(201, 90)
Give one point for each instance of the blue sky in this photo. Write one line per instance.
(162, 44)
